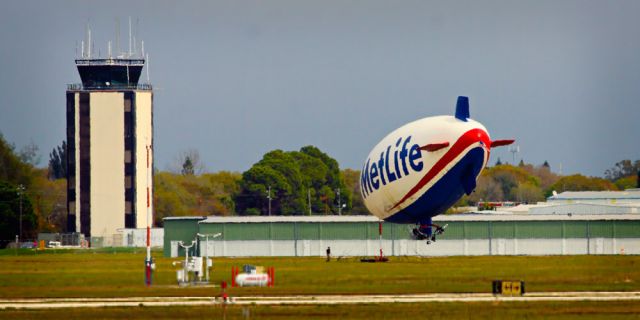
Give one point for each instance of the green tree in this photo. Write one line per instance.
(352, 183)
(294, 177)
(333, 180)
(12, 170)
(527, 193)
(621, 169)
(507, 183)
(194, 195)
(187, 162)
(487, 189)
(543, 173)
(578, 182)
(10, 214)
(49, 199)
(58, 162)
(333, 172)
(187, 167)
(627, 182)
(254, 190)
(29, 154)
(221, 188)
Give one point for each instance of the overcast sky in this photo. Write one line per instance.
(235, 79)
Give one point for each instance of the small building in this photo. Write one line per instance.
(584, 208)
(629, 196)
(584, 203)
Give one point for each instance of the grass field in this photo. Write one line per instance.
(118, 273)
(115, 274)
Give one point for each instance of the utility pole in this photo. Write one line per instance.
(269, 197)
(20, 192)
(514, 150)
(339, 202)
(309, 195)
(148, 261)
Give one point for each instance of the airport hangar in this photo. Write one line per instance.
(605, 222)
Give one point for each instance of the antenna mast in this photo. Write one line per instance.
(148, 67)
(514, 150)
(135, 37)
(88, 41)
(117, 37)
(129, 36)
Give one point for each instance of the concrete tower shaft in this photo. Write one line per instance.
(109, 126)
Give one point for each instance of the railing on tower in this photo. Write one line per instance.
(139, 86)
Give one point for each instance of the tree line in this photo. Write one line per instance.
(303, 182)
(30, 199)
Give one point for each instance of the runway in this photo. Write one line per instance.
(49, 303)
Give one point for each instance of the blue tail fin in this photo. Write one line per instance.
(462, 108)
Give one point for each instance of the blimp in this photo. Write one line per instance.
(421, 169)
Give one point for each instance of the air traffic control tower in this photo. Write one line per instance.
(109, 139)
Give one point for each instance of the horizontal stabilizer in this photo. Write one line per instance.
(500, 143)
(462, 108)
(435, 146)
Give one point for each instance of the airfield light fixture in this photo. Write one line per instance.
(339, 202)
(206, 258)
(269, 198)
(21, 189)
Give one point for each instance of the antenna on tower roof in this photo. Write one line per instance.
(117, 37)
(87, 53)
(129, 37)
(135, 37)
(89, 43)
(148, 67)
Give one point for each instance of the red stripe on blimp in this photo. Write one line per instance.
(468, 138)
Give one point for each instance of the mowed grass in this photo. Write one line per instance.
(491, 310)
(118, 273)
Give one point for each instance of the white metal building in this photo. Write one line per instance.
(629, 196)
(466, 234)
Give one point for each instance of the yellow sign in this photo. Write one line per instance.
(511, 288)
(508, 288)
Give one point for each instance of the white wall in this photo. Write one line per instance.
(144, 137)
(138, 237)
(356, 248)
(107, 162)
